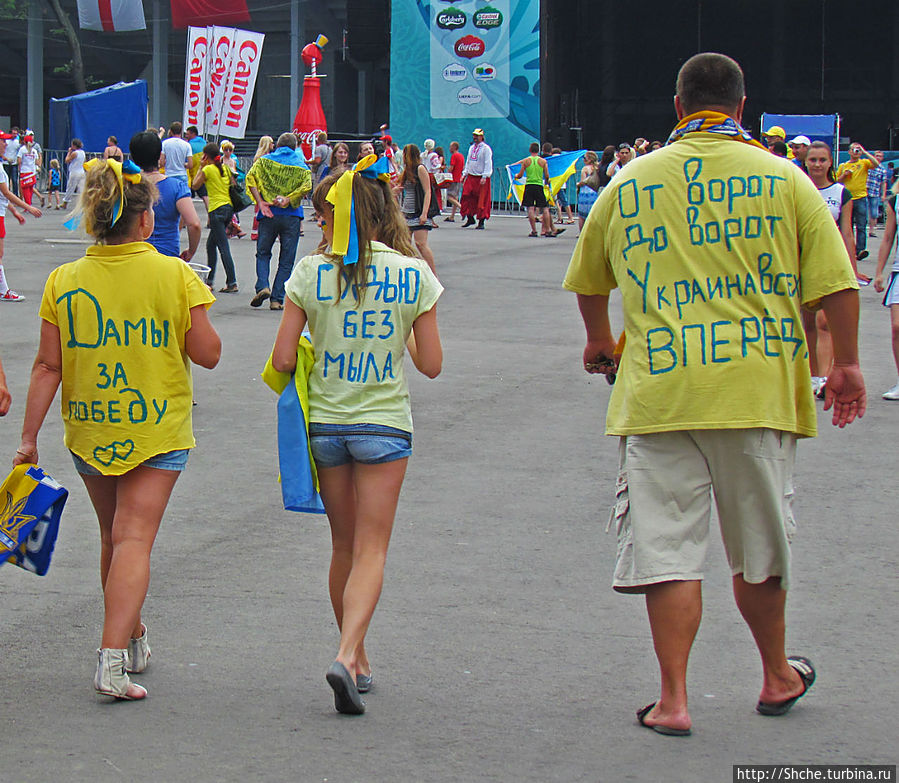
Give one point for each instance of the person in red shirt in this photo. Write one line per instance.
(457, 165)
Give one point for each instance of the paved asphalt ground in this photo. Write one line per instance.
(500, 652)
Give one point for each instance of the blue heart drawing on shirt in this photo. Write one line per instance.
(120, 450)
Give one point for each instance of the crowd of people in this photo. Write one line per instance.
(680, 436)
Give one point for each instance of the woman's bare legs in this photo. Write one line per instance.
(129, 509)
(361, 503)
(421, 242)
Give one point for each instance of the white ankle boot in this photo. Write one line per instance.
(111, 678)
(138, 653)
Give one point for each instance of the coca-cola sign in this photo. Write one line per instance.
(469, 46)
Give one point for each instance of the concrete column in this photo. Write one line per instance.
(159, 88)
(34, 118)
(296, 65)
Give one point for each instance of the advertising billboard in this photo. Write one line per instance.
(460, 64)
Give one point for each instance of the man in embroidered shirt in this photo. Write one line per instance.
(707, 239)
(476, 182)
(277, 182)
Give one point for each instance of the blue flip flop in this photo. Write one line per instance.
(806, 671)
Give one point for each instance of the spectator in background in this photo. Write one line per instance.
(29, 159)
(217, 179)
(55, 182)
(854, 175)
(321, 159)
(774, 133)
(778, 148)
(113, 150)
(75, 161)
(174, 204)
(176, 154)
(623, 156)
(266, 145)
(454, 188)
(11, 159)
(476, 200)
(877, 192)
(562, 195)
(340, 158)
(197, 143)
(277, 181)
(799, 147)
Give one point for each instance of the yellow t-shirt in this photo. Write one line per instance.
(217, 186)
(857, 184)
(122, 313)
(359, 375)
(714, 244)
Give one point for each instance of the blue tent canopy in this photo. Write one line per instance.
(118, 110)
(818, 127)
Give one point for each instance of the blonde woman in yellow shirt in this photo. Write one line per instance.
(120, 327)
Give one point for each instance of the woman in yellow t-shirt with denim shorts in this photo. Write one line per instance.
(365, 304)
(119, 329)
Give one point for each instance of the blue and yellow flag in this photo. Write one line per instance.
(31, 504)
(561, 167)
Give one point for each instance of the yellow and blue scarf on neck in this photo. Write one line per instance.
(345, 241)
(714, 122)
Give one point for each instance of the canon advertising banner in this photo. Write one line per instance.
(222, 65)
(481, 62)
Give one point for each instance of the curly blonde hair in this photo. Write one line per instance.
(98, 202)
(377, 218)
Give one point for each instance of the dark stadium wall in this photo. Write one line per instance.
(609, 68)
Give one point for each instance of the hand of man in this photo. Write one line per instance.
(186, 255)
(33, 210)
(266, 209)
(845, 392)
(483, 180)
(18, 216)
(878, 283)
(5, 399)
(599, 357)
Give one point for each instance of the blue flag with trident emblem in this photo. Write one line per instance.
(30, 506)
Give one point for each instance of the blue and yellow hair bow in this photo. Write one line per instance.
(123, 171)
(345, 241)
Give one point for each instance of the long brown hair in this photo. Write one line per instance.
(377, 218)
(411, 162)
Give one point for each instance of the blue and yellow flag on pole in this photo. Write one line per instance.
(561, 167)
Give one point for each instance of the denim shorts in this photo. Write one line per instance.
(339, 444)
(170, 460)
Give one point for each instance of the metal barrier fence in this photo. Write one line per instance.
(499, 183)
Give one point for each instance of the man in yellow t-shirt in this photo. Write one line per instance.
(854, 175)
(714, 244)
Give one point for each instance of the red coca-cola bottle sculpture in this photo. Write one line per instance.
(310, 119)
